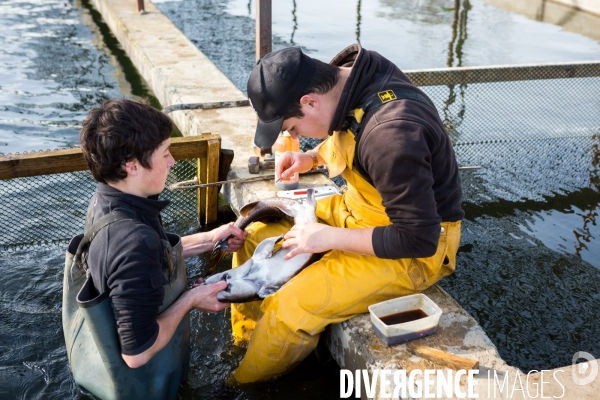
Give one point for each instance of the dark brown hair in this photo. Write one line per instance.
(325, 78)
(118, 131)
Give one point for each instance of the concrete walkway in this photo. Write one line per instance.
(177, 72)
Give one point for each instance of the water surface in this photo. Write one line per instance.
(528, 263)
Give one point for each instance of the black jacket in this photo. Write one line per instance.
(405, 152)
(127, 259)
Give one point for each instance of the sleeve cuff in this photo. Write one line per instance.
(142, 348)
(378, 239)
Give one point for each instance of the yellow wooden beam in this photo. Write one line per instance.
(212, 175)
(70, 160)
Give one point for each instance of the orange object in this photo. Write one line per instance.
(286, 143)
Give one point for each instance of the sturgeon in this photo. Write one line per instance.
(267, 270)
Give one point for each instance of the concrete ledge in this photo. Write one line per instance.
(354, 344)
(177, 72)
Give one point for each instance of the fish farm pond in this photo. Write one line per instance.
(529, 261)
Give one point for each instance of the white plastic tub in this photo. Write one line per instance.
(403, 332)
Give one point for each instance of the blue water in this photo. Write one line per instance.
(529, 259)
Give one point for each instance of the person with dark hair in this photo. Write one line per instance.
(394, 232)
(126, 307)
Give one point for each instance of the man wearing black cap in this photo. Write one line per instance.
(394, 232)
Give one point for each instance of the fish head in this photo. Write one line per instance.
(239, 288)
(239, 291)
(308, 208)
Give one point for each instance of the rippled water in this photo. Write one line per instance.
(50, 74)
(529, 258)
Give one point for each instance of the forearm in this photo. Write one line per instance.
(168, 321)
(197, 243)
(352, 240)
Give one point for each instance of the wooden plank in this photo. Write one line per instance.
(444, 359)
(212, 175)
(70, 160)
(41, 163)
(201, 192)
(264, 41)
(191, 146)
(225, 160)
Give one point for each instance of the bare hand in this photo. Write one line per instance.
(236, 242)
(198, 283)
(205, 297)
(308, 237)
(290, 163)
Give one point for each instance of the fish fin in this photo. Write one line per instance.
(215, 259)
(277, 246)
(310, 198)
(265, 248)
(245, 210)
(267, 291)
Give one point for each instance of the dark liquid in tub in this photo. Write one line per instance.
(403, 317)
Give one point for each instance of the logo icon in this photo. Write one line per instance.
(584, 373)
(386, 96)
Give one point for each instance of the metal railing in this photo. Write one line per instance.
(535, 129)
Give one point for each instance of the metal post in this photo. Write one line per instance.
(140, 6)
(264, 43)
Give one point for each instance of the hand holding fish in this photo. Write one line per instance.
(266, 271)
(235, 234)
(204, 297)
(204, 241)
(310, 237)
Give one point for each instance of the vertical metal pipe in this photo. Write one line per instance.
(140, 6)
(264, 43)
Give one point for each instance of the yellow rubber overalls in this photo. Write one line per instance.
(284, 328)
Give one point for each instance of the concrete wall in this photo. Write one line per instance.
(557, 12)
(591, 6)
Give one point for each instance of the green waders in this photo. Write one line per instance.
(91, 335)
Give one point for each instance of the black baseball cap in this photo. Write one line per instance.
(277, 81)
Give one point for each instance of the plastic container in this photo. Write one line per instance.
(403, 332)
(286, 143)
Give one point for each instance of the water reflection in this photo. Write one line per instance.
(453, 120)
(294, 22)
(358, 21)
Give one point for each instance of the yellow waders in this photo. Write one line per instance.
(285, 327)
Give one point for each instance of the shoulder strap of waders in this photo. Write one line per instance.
(91, 233)
(380, 98)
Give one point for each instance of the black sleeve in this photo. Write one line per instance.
(397, 156)
(131, 256)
